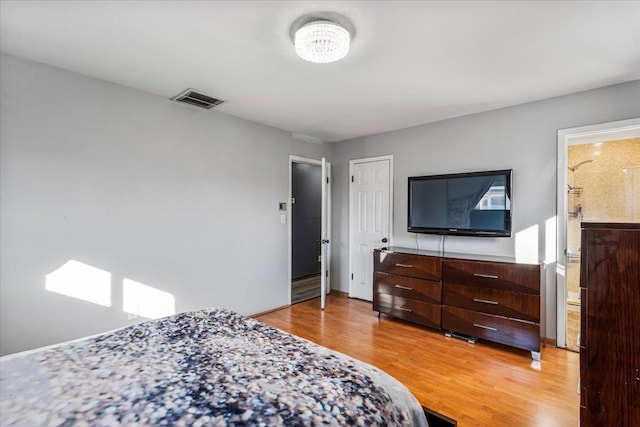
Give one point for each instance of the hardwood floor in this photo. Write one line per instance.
(478, 385)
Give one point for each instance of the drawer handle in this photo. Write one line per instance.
(406, 288)
(485, 301)
(484, 276)
(403, 309)
(404, 265)
(484, 327)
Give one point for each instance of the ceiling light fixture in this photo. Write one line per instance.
(322, 41)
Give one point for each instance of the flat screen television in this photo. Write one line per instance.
(463, 204)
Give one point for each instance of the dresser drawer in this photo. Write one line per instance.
(516, 333)
(493, 301)
(412, 310)
(523, 278)
(407, 287)
(403, 264)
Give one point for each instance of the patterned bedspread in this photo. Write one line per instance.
(211, 367)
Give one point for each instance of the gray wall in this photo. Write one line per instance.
(178, 198)
(186, 200)
(522, 138)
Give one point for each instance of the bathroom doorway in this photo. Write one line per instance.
(602, 184)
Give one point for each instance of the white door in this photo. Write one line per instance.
(325, 248)
(370, 219)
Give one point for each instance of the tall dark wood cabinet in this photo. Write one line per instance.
(610, 325)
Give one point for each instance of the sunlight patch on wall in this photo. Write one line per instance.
(527, 245)
(146, 301)
(77, 280)
(550, 252)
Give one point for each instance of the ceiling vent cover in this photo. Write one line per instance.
(199, 99)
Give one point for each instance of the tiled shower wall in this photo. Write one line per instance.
(610, 190)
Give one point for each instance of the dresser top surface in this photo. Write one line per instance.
(611, 225)
(453, 255)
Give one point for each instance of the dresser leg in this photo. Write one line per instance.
(468, 338)
(535, 355)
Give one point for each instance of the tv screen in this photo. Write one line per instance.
(465, 204)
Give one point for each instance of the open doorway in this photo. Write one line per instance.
(306, 221)
(598, 180)
(603, 184)
(306, 227)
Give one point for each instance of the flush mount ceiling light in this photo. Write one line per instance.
(322, 41)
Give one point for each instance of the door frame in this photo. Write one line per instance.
(566, 137)
(298, 159)
(352, 163)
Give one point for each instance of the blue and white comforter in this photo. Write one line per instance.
(206, 368)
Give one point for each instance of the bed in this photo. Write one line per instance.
(210, 367)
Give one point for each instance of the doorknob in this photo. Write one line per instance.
(384, 240)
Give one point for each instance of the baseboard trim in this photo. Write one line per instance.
(341, 294)
(269, 311)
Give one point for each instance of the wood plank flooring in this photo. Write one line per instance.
(305, 288)
(478, 385)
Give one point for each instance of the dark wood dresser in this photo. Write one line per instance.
(408, 286)
(496, 301)
(610, 325)
(492, 298)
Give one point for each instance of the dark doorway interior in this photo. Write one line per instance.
(305, 229)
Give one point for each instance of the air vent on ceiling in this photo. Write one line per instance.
(198, 99)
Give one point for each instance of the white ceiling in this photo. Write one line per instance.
(410, 63)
